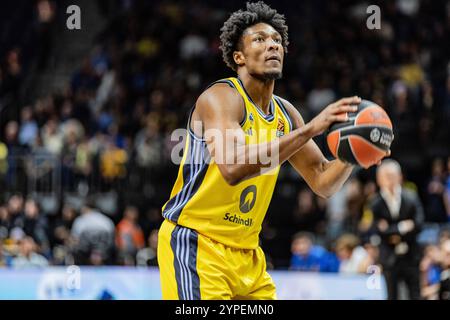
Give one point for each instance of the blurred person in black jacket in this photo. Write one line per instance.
(444, 286)
(398, 216)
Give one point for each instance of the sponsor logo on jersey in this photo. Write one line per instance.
(234, 218)
(247, 199)
(251, 118)
(280, 127)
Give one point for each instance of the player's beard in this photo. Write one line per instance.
(269, 76)
(273, 75)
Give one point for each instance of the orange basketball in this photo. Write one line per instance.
(363, 139)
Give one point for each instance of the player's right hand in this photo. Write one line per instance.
(335, 112)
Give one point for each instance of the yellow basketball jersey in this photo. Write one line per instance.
(202, 200)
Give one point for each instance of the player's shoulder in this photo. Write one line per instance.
(219, 91)
(220, 96)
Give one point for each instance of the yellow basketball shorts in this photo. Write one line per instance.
(193, 267)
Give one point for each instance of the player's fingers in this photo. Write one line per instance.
(340, 118)
(345, 108)
(349, 100)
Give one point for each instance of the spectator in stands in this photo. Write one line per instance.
(61, 235)
(444, 286)
(34, 225)
(3, 162)
(152, 220)
(64, 225)
(16, 153)
(4, 222)
(13, 72)
(147, 256)
(366, 221)
(436, 211)
(444, 234)
(52, 137)
(15, 208)
(129, 236)
(28, 256)
(430, 269)
(336, 213)
(40, 163)
(307, 215)
(73, 132)
(354, 199)
(83, 161)
(352, 256)
(92, 237)
(309, 257)
(447, 190)
(113, 162)
(2, 258)
(321, 95)
(28, 127)
(148, 144)
(398, 217)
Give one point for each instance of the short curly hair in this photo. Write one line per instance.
(236, 24)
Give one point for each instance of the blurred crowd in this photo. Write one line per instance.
(85, 171)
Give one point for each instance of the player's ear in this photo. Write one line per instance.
(239, 58)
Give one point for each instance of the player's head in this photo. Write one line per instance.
(255, 39)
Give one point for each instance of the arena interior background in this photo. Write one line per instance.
(87, 115)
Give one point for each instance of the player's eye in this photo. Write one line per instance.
(277, 40)
(259, 39)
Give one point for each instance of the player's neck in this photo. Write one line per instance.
(260, 91)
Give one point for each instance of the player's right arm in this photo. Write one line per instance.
(220, 110)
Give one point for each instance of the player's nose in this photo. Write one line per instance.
(273, 45)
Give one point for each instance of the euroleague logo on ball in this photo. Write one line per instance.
(375, 135)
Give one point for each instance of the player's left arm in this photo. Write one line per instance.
(324, 177)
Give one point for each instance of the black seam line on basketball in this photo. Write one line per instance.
(365, 129)
(359, 130)
(362, 138)
(375, 126)
(353, 152)
(339, 143)
(340, 125)
(350, 154)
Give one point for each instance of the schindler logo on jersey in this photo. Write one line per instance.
(246, 203)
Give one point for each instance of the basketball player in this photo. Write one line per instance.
(208, 243)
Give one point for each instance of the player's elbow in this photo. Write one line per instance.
(322, 194)
(323, 191)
